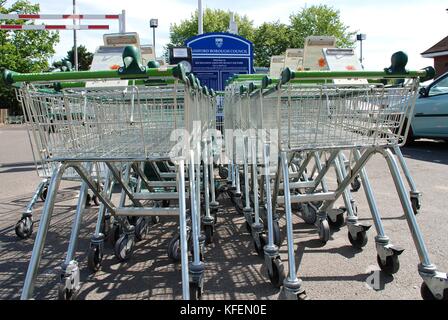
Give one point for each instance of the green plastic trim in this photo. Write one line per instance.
(131, 63)
(290, 76)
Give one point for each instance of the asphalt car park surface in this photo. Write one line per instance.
(233, 270)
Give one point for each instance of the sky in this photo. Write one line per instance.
(390, 25)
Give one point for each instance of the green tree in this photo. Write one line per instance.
(84, 58)
(23, 51)
(215, 20)
(270, 38)
(319, 20)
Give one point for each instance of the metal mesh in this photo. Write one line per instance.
(112, 123)
(331, 116)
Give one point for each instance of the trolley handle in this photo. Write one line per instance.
(132, 69)
(289, 76)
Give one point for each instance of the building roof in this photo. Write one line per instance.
(437, 50)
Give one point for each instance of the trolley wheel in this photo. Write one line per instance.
(356, 184)
(88, 200)
(155, 219)
(95, 257)
(428, 295)
(124, 247)
(114, 234)
(174, 249)
(391, 266)
(209, 232)
(324, 231)
(95, 200)
(276, 233)
(360, 241)
(309, 214)
(43, 194)
(340, 220)
(196, 291)
(24, 228)
(141, 229)
(248, 227)
(223, 172)
(66, 294)
(276, 272)
(259, 243)
(416, 205)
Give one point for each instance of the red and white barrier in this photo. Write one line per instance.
(60, 16)
(53, 27)
(120, 17)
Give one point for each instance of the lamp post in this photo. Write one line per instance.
(200, 18)
(154, 23)
(361, 37)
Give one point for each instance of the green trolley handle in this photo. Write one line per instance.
(132, 69)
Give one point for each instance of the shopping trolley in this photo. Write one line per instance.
(44, 168)
(325, 116)
(130, 125)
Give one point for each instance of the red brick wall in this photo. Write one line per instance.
(441, 65)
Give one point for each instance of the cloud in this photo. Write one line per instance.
(409, 25)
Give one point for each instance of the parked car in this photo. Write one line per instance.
(431, 111)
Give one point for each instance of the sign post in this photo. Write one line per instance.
(217, 56)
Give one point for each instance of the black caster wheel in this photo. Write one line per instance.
(174, 249)
(66, 294)
(214, 214)
(248, 227)
(276, 233)
(95, 257)
(428, 295)
(340, 220)
(416, 205)
(114, 234)
(356, 184)
(24, 228)
(360, 241)
(237, 202)
(95, 200)
(196, 291)
(276, 272)
(324, 231)
(223, 172)
(309, 214)
(141, 229)
(106, 227)
(155, 219)
(391, 266)
(43, 194)
(259, 244)
(124, 247)
(301, 296)
(209, 232)
(88, 200)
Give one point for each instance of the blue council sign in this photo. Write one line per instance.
(217, 56)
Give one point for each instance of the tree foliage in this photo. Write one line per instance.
(23, 51)
(270, 38)
(214, 20)
(84, 58)
(319, 20)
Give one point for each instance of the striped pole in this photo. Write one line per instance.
(53, 27)
(60, 16)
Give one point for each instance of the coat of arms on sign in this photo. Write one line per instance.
(219, 42)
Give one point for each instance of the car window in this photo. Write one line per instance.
(440, 87)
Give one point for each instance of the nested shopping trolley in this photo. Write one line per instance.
(44, 168)
(313, 114)
(115, 126)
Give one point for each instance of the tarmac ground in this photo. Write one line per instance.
(233, 269)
